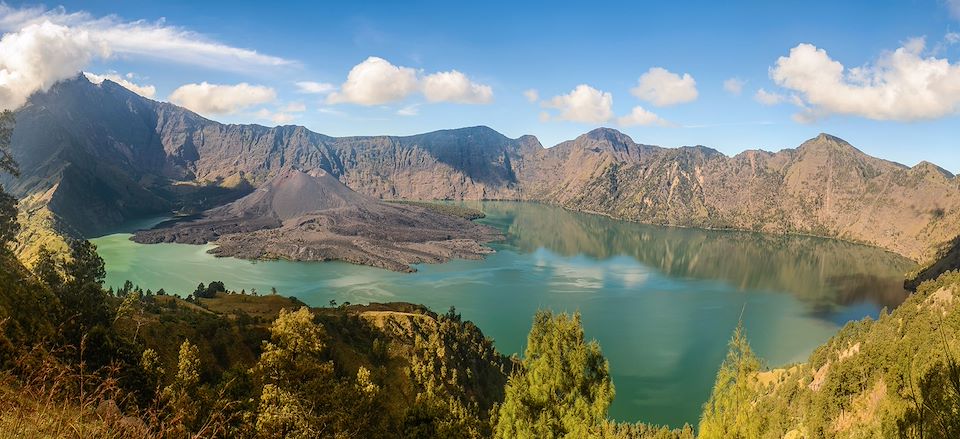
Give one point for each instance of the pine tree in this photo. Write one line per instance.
(563, 389)
(727, 413)
(181, 396)
(85, 266)
(47, 268)
(297, 380)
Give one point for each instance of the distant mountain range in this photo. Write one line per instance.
(96, 155)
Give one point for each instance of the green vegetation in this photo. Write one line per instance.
(724, 415)
(897, 376)
(130, 363)
(563, 388)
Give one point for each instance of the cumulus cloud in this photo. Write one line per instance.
(40, 47)
(768, 98)
(38, 56)
(315, 87)
(147, 91)
(641, 116)
(375, 81)
(663, 88)
(584, 104)
(210, 99)
(454, 86)
(734, 86)
(532, 95)
(279, 118)
(902, 85)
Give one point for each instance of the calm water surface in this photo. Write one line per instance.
(662, 302)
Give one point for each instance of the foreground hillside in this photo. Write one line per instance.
(78, 361)
(898, 376)
(94, 156)
(158, 365)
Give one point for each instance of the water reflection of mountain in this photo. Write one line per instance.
(821, 272)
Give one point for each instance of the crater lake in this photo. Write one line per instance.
(662, 302)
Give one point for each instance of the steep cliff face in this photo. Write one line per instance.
(467, 163)
(825, 187)
(92, 152)
(99, 154)
(102, 154)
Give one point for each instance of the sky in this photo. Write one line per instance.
(883, 75)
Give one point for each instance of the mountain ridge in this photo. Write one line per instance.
(160, 157)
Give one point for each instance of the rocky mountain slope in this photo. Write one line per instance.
(312, 216)
(825, 187)
(97, 155)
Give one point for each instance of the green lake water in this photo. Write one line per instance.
(662, 302)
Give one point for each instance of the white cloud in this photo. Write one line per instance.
(375, 81)
(532, 95)
(409, 110)
(279, 118)
(663, 88)
(315, 87)
(583, 104)
(952, 37)
(734, 86)
(205, 98)
(902, 85)
(768, 98)
(454, 86)
(147, 91)
(641, 116)
(40, 47)
(143, 38)
(331, 111)
(38, 56)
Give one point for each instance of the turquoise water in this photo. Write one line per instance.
(662, 302)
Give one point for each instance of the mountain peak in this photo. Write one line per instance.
(608, 135)
(926, 166)
(294, 192)
(825, 141)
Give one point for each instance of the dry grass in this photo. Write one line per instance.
(49, 399)
(42, 397)
(266, 307)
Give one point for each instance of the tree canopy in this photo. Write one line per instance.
(727, 413)
(563, 389)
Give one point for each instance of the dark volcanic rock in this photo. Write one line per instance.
(311, 216)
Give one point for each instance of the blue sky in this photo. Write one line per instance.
(891, 107)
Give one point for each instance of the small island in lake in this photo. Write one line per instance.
(312, 216)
